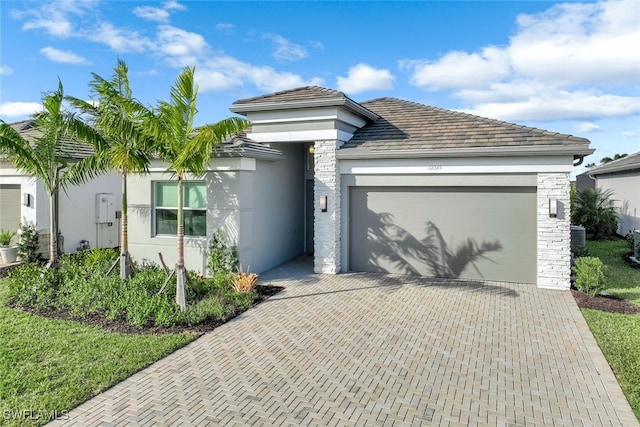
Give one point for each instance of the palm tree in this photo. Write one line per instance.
(49, 156)
(127, 149)
(186, 149)
(595, 210)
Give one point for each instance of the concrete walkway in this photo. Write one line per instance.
(371, 349)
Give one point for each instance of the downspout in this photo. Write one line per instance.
(580, 160)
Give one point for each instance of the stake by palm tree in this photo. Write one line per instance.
(50, 156)
(186, 149)
(127, 149)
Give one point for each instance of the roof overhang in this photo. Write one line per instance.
(308, 103)
(359, 153)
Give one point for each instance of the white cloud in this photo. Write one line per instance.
(64, 56)
(173, 5)
(459, 70)
(285, 49)
(578, 43)
(5, 70)
(19, 109)
(225, 72)
(573, 60)
(363, 78)
(559, 105)
(225, 27)
(118, 39)
(629, 134)
(586, 127)
(151, 13)
(54, 18)
(182, 47)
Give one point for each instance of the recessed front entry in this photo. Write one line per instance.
(486, 233)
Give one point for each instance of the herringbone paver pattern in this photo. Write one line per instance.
(380, 350)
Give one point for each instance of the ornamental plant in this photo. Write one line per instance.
(590, 273)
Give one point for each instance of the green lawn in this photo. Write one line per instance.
(618, 335)
(49, 365)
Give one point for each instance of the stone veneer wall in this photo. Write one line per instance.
(327, 224)
(554, 234)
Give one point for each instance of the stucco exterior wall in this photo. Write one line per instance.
(277, 210)
(626, 193)
(76, 206)
(554, 235)
(222, 213)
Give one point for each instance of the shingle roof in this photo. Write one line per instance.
(302, 97)
(405, 125)
(625, 164)
(242, 146)
(68, 147)
(297, 94)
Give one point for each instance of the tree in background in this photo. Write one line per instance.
(50, 156)
(186, 149)
(594, 209)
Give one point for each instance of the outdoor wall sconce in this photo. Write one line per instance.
(26, 199)
(553, 208)
(323, 203)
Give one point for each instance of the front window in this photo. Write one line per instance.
(194, 208)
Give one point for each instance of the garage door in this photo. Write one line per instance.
(9, 206)
(486, 233)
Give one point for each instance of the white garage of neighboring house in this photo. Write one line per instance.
(23, 198)
(622, 177)
(385, 185)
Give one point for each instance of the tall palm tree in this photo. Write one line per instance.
(186, 149)
(127, 149)
(50, 155)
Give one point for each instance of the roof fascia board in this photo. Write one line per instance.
(354, 153)
(307, 103)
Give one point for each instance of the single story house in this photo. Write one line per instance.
(87, 213)
(622, 176)
(384, 186)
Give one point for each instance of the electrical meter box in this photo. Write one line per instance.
(106, 225)
(105, 208)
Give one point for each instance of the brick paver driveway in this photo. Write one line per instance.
(368, 349)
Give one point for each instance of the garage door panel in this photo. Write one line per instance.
(471, 233)
(9, 206)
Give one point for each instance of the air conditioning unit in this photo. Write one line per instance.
(578, 235)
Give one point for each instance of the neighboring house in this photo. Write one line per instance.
(584, 181)
(385, 185)
(622, 176)
(23, 198)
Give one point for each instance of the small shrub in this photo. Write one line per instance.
(244, 282)
(222, 257)
(31, 285)
(590, 275)
(28, 242)
(579, 251)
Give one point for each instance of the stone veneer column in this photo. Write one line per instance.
(326, 224)
(554, 234)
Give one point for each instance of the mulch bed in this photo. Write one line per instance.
(264, 292)
(609, 304)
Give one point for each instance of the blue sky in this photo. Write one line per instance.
(570, 67)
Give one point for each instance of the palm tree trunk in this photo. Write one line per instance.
(125, 270)
(53, 230)
(180, 271)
